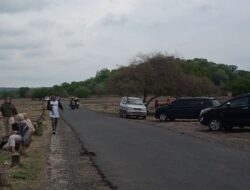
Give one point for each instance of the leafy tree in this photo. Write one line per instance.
(59, 91)
(102, 75)
(82, 92)
(23, 91)
(157, 74)
(41, 92)
(240, 86)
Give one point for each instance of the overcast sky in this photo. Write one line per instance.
(47, 42)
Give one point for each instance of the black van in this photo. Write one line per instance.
(185, 108)
(232, 113)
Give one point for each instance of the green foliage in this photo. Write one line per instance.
(41, 92)
(4, 156)
(59, 91)
(240, 86)
(23, 92)
(224, 76)
(152, 74)
(39, 129)
(102, 75)
(159, 74)
(82, 92)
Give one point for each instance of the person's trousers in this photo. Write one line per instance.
(54, 123)
(8, 121)
(12, 141)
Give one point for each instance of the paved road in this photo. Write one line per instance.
(137, 156)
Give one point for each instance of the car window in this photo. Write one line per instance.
(184, 103)
(194, 103)
(210, 102)
(215, 102)
(177, 104)
(239, 102)
(135, 101)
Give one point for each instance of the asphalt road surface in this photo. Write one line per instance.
(137, 156)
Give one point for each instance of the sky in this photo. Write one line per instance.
(47, 42)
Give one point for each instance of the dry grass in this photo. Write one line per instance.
(107, 104)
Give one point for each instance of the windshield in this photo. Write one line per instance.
(216, 103)
(135, 101)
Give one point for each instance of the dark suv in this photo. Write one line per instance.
(185, 108)
(232, 113)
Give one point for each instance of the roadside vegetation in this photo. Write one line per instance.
(153, 75)
(32, 169)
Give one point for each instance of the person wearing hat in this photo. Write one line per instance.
(7, 112)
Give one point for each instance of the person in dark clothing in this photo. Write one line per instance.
(72, 103)
(53, 106)
(77, 103)
(7, 112)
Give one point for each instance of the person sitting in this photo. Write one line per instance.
(29, 123)
(19, 133)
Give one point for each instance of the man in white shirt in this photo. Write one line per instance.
(53, 106)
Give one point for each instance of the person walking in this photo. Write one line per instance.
(54, 106)
(7, 112)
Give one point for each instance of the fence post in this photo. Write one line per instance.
(15, 159)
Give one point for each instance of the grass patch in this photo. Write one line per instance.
(4, 156)
(28, 172)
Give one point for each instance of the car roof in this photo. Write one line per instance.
(239, 96)
(242, 95)
(133, 98)
(196, 98)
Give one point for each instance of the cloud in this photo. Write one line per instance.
(11, 6)
(58, 40)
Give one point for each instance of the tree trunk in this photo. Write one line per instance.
(3, 179)
(15, 159)
(144, 98)
(150, 100)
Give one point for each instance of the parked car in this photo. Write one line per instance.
(184, 108)
(232, 113)
(132, 106)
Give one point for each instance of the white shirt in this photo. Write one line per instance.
(54, 112)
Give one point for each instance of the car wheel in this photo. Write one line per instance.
(215, 125)
(163, 117)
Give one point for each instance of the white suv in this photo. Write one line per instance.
(132, 106)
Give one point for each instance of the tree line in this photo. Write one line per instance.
(153, 75)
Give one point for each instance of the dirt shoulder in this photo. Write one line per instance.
(237, 138)
(69, 165)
